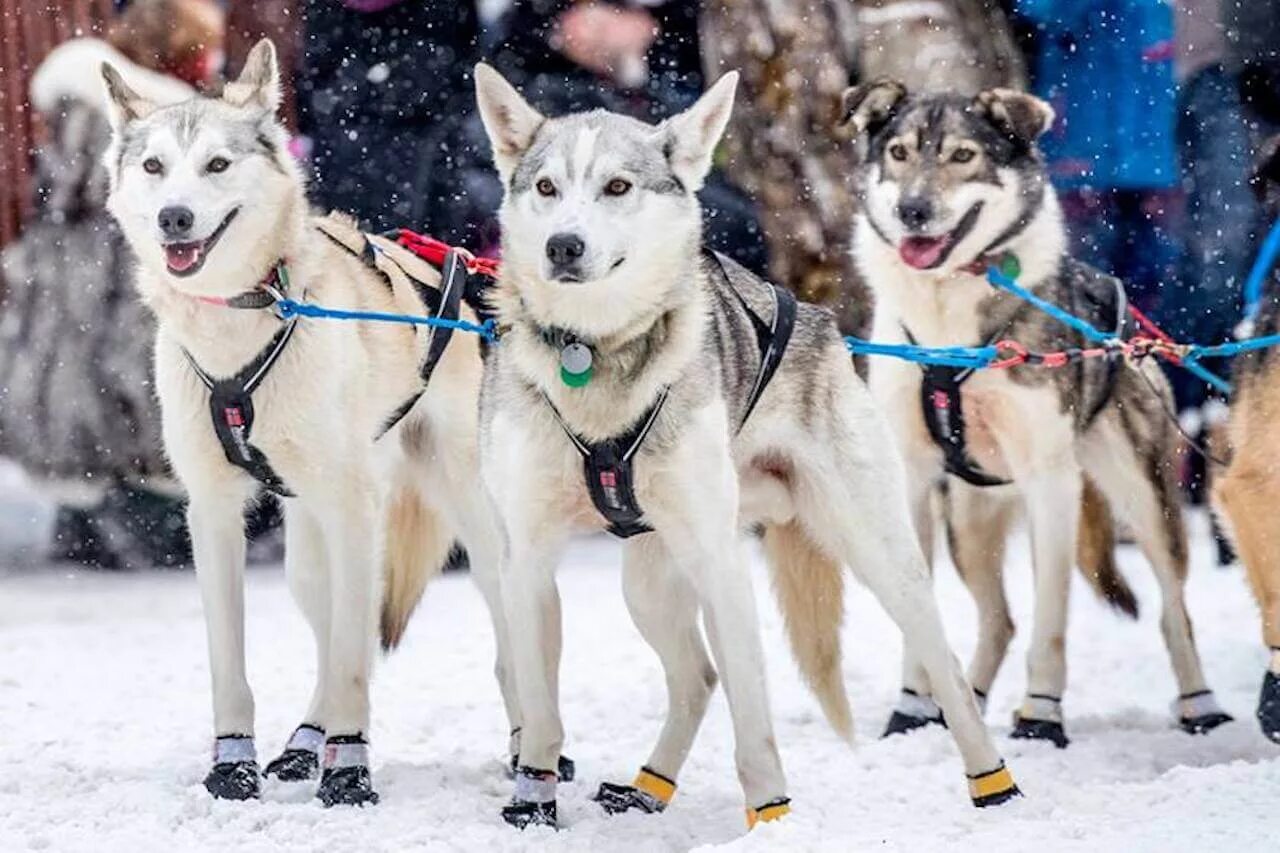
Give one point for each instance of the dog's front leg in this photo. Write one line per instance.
(693, 506)
(531, 601)
(216, 521)
(349, 526)
(1052, 495)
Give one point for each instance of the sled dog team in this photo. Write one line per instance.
(643, 385)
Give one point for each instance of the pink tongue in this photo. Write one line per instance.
(182, 256)
(922, 252)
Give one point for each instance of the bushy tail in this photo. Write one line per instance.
(810, 590)
(1096, 552)
(416, 548)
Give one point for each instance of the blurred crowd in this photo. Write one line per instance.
(1162, 106)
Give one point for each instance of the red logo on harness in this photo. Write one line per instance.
(941, 400)
(609, 479)
(233, 416)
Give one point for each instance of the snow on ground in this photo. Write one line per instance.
(105, 714)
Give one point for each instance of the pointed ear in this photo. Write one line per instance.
(692, 136)
(259, 82)
(508, 119)
(1266, 171)
(867, 107)
(123, 104)
(1017, 114)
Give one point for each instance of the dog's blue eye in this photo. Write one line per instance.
(152, 166)
(962, 155)
(217, 164)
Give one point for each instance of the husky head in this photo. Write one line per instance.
(598, 208)
(196, 186)
(945, 178)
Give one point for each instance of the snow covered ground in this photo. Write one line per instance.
(105, 718)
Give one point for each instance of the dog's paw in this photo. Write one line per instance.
(1026, 728)
(347, 786)
(900, 723)
(993, 788)
(234, 780)
(294, 765)
(1269, 706)
(650, 793)
(522, 814)
(1199, 712)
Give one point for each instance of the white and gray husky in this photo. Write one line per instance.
(635, 389)
(949, 186)
(215, 210)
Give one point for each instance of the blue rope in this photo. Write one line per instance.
(1191, 361)
(975, 358)
(290, 308)
(1262, 265)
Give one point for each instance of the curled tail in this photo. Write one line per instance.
(417, 546)
(810, 590)
(1096, 552)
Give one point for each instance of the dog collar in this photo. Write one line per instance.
(1007, 262)
(269, 291)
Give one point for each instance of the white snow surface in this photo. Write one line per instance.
(106, 722)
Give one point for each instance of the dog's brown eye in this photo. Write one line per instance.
(617, 187)
(152, 166)
(898, 151)
(545, 187)
(217, 164)
(962, 155)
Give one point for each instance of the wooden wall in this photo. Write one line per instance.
(28, 31)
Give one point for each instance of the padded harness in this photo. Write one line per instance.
(231, 399)
(607, 465)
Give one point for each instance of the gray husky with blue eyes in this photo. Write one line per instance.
(661, 392)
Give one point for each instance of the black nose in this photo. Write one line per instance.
(915, 212)
(564, 249)
(176, 221)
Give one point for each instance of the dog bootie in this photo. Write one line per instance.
(1199, 713)
(1040, 718)
(565, 768)
(651, 792)
(1269, 706)
(769, 812)
(346, 780)
(301, 757)
(913, 712)
(534, 801)
(993, 788)
(234, 775)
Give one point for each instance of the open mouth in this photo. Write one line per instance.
(926, 253)
(184, 259)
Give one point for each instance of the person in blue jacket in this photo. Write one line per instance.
(1106, 66)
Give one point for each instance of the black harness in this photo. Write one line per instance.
(607, 465)
(231, 399)
(942, 404)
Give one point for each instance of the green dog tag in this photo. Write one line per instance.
(575, 364)
(1010, 266)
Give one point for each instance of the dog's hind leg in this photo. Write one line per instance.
(349, 523)
(215, 518)
(664, 606)
(852, 499)
(978, 522)
(306, 567)
(1138, 480)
